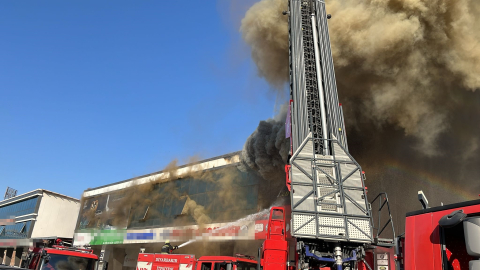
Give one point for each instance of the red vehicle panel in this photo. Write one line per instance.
(60, 254)
(71, 253)
(224, 259)
(173, 261)
(148, 261)
(422, 239)
(146, 257)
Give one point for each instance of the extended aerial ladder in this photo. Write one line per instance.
(331, 218)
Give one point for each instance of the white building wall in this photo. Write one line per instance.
(57, 216)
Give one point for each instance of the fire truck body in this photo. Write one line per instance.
(379, 258)
(439, 238)
(61, 257)
(444, 237)
(150, 261)
(165, 262)
(226, 263)
(274, 251)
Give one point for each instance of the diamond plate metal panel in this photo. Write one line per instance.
(304, 224)
(331, 226)
(359, 229)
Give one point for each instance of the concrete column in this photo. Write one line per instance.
(2, 254)
(8, 256)
(118, 258)
(104, 257)
(18, 256)
(12, 261)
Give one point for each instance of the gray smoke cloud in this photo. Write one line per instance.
(265, 30)
(404, 59)
(407, 73)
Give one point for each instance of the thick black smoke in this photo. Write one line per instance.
(266, 150)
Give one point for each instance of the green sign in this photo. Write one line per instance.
(108, 237)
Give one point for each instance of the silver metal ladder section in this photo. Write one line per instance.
(328, 195)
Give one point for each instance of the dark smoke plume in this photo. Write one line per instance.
(407, 72)
(266, 150)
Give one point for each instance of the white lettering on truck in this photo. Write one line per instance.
(166, 260)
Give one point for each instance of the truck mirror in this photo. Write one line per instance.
(47, 258)
(452, 219)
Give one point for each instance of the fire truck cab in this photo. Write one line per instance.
(446, 237)
(60, 257)
(442, 238)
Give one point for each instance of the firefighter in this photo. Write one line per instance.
(167, 248)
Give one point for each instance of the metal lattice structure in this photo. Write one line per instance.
(328, 194)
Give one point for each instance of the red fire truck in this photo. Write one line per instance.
(151, 261)
(445, 237)
(274, 251)
(58, 257)
(439, 238)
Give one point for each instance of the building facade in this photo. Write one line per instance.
(33, 217)
(200, 201)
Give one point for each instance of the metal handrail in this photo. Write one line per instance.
(382, 201)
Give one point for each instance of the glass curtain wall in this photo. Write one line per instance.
(226, 194)
(18, 230)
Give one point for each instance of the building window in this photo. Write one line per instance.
(22, 230)
(17, 209)
(16, 231)
(168, 201)
(206, 266)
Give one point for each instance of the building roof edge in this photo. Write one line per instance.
(90, 192)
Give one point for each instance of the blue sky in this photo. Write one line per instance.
(94, 92)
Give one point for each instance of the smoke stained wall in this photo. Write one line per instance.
(196, 197)
(407, 73)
